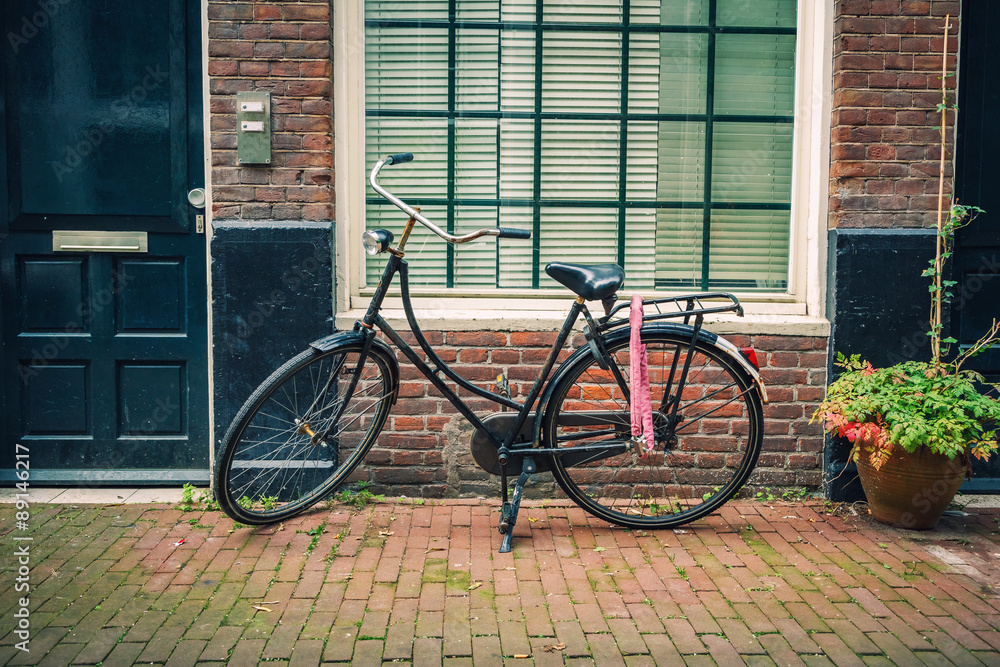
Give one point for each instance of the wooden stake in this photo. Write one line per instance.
(938, 262)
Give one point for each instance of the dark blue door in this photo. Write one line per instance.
(977, 250)
(104, 333)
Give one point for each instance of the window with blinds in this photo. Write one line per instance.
(652, 133)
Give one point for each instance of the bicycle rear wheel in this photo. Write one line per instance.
(717, 441)
(302, 432)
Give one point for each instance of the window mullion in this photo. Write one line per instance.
(536, 224)
(496, 246)
(706, 230)
(623, 130)
(450, 221)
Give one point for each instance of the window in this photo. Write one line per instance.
(652, 133)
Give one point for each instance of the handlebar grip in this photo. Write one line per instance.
(399, 158)
(511, 233)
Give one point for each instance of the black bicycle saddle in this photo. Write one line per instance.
(592, 282)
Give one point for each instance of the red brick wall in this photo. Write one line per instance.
(424, 449)
(886, 87)
(284, 48)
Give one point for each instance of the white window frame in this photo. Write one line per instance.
(801, 310)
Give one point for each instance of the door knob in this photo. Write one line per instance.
(197, 197)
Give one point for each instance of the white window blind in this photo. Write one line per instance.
(656, 134)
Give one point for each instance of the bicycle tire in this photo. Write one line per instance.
(717, 445)
(283, 453)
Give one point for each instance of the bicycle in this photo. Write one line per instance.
(303, 433)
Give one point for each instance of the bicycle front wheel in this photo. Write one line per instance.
(303, 431)
(715, 443)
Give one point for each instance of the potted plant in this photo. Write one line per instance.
(915, 425)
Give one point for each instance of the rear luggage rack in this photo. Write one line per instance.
(674, 307)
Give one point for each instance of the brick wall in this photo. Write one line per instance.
(424, 449)
(283, 48)
(886, 87)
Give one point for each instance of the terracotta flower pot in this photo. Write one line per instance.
(911, 490)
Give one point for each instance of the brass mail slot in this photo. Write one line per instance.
(72, 241)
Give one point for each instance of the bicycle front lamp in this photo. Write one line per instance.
(376, 240)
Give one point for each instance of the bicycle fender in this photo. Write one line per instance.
(754, 374)
(333, 340)
(622, 329)
(327, 343)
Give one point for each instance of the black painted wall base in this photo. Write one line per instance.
(272, 294)
(880, 308)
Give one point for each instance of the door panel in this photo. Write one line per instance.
(155, 301)
(52, 289)
(55, 400)
(976, 260)
(104, 353)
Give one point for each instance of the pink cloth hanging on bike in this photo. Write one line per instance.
(642, 407)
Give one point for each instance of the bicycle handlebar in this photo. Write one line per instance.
(400, 158)
(512, 233)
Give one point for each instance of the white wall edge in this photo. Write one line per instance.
(527, 320)
(348, 147)
(810, 180)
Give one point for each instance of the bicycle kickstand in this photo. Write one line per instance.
(508, 513)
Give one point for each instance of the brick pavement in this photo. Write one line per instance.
(756, 584)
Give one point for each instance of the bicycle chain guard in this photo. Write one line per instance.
(485, 454)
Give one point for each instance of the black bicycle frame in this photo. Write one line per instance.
(396, 265)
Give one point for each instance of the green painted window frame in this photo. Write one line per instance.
(536, 202)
